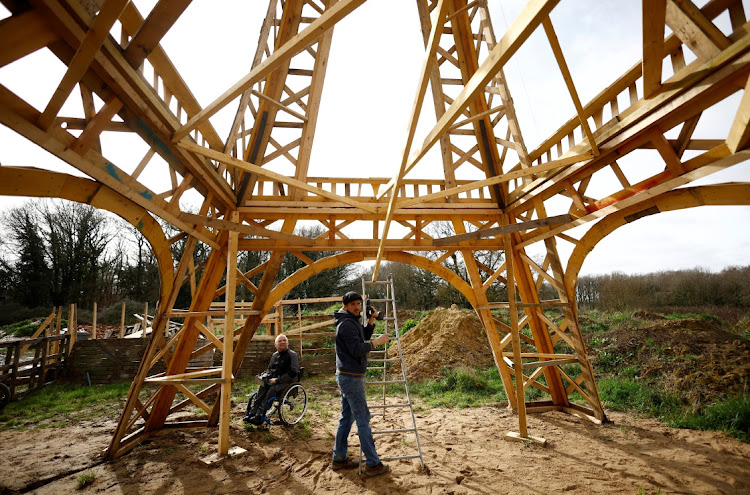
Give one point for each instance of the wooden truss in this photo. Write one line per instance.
(255, 184)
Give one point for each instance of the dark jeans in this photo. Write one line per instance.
(265, 392)
(354, 408)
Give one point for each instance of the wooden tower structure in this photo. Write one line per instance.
(255, 186)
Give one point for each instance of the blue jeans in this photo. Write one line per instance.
(354, 408)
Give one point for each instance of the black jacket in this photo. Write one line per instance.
(351, 345)
(284, 366)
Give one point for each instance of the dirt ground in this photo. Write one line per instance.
(463, 449)
(464, 452)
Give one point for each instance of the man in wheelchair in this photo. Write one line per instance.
(283, 369)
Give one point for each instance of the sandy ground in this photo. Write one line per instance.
(464, 452)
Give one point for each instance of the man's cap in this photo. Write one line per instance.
(350, 297)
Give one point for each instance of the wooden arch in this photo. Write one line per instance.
(22, 181)
(324, 264)
(690, 197)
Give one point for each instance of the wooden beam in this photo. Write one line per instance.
(654, 15)
(529, 19)
(505, 229)
(242, 227)
(243, 165)
(228, 350)
(92, 42)
(739, 133)
(285, 52)
(23, 34)
(161, 18)
(433, 44)
(560, 58)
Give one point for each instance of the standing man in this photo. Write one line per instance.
(351, 365)
(282, 370)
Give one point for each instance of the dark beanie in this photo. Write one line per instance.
(351, 297)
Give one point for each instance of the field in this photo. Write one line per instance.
(655, 372)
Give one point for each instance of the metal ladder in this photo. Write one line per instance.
(379, 361)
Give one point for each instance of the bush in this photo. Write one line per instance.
(408, 325)
(11, 312)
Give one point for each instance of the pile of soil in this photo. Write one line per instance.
(445, 338)
(695, 357)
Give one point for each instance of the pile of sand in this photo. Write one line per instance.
(445, 338)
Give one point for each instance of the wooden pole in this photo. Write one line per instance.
(516, 337)
(227, 357)
(72, 330)
(122, 321)
(58, 325)
(93, 327)
(145, 320)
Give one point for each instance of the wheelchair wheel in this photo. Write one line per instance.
(4, 395)
(293, 405)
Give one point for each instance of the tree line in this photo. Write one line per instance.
(55, 252)
(681, 288)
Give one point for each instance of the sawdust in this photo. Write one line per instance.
(446, 338)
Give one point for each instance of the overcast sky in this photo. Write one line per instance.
(370, 86)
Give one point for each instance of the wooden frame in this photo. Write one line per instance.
(248, 205)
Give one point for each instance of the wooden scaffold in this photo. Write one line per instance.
(255, 186)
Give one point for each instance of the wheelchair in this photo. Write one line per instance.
(290, 404)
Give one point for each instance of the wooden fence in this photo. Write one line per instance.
(21, 372)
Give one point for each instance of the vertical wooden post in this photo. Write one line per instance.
(72, 330)
(515, 332)
(41, 364)
(93, 328)
(281, 318)
(144, 325)
(227, 358)
(56, 333)
(122, 321)
(299, 335)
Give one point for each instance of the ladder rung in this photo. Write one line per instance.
(415, 456)
(388, 406)
(381, 300)
(378, 282)
(389, 360)
(385, 382)
(405, 430)
(375, 368)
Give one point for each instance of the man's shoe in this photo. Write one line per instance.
(347, 463)
(381, 468)
(253, 420)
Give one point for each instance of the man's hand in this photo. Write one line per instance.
(373, 316)
(272, 381)
(383, 339)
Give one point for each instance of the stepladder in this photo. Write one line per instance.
(393, 422)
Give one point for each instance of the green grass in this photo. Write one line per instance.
(46, 407)
(461, 388)
(731, 416)
(622, 316)
(702, 316)
(629, 394)
(85, 479)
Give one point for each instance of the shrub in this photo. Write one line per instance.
(408, 325)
